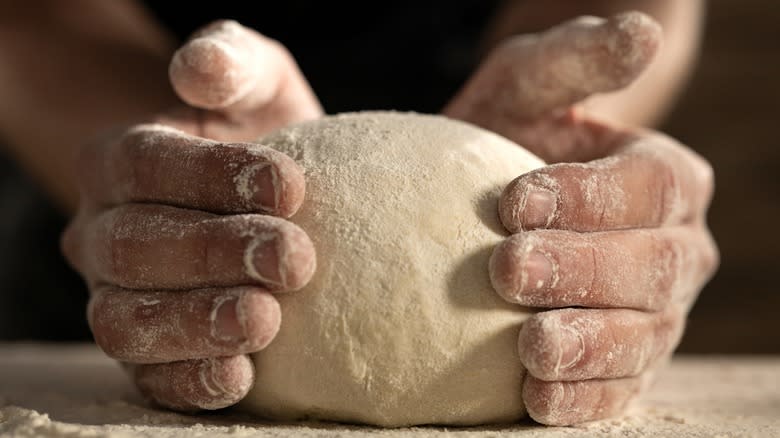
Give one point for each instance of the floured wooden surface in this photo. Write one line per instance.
(74, 391)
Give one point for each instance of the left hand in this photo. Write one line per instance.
(182, 233)
(612, 238)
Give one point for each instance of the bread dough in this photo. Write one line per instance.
(399, 325)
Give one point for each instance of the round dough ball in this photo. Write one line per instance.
(399, 325)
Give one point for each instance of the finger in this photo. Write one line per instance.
(532, 75)
(156, 164)
(639, 269)
(196, 384)
(581, 344)
(569, 403)
(157, 326)
(251, 81)
(142, 246)
(650, 181)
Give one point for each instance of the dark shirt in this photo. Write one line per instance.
(403, 55)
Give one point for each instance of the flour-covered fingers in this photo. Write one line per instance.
(168, 326)
(225, 64)
(156, 164)
(251, 82)
(193, 385)
(530, 76)
(582, 344)
(649, 181)
(639, 269)
(146, 246)
(569, 403)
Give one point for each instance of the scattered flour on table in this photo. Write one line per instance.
(74, 391)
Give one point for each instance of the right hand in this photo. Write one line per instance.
(181, 233)
(611, 237)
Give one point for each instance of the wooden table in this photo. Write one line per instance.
(73, 390)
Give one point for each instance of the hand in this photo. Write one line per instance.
(612, 238)
(182, 239)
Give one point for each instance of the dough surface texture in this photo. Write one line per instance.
(399, 325)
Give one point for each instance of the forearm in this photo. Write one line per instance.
(69, 70)
(651, 96)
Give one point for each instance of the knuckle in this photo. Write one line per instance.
(660, 155)
(125, 158)
(586, 195)
(711, 259)
(131, 141)
(668, 256)
(693, 170)
(667, 330)
(668, 186)
(596, 262)
(705, 175)
(207, 255)
(116, 246)
(502, 62)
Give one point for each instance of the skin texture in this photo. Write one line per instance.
(653, 93)
(178, 291)
(616, 227)
(150, 192)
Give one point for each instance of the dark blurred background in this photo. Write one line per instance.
(730, 113)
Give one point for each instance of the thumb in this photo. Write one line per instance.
(249, 83)
(532, 76)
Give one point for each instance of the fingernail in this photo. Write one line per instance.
(538, 272)
(265, 193)
(571, 348)
(261, 260)
(203, 72)
(256, 185)
(225, 320)
(539, 207)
